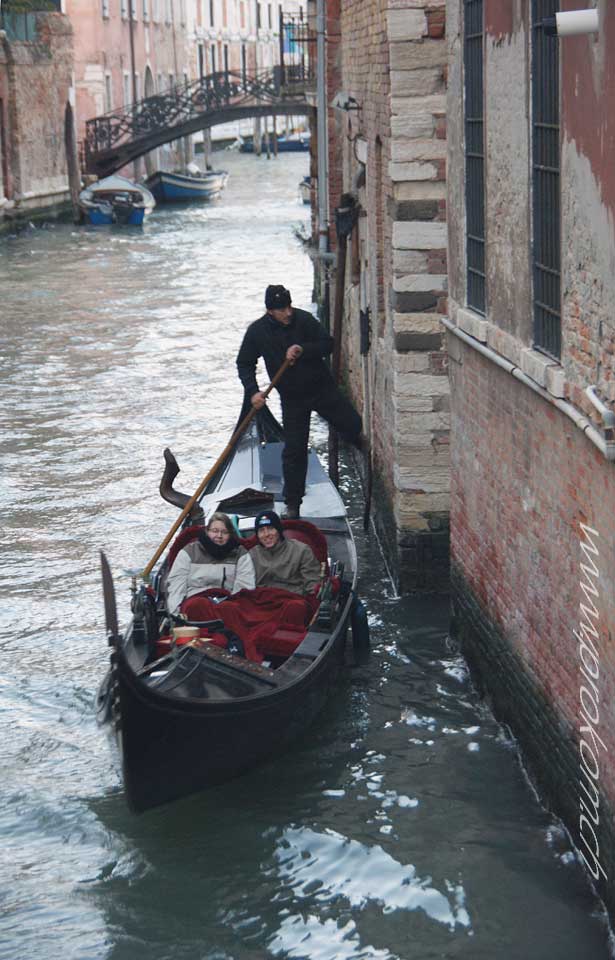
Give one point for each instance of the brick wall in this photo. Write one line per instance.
(36, 80)
(523, 480)
(393, 62)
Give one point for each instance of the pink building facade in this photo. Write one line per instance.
(129, 49)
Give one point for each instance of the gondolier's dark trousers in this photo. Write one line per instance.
(331, 404)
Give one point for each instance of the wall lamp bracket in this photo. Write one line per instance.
(343, 101)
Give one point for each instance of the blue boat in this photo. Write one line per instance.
(171, 187)
(116, 200)
(296, 143)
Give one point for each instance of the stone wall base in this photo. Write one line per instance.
(418, 560)
(15, 216)
(550, 747)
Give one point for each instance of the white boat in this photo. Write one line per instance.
(116, 200)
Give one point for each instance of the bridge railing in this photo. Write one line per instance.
(180, 104)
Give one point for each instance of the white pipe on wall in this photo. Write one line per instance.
(321, 129)
(573, 23)
(606, 447)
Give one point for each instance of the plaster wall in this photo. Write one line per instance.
(507, 149)
(102, 47)
(588, 212)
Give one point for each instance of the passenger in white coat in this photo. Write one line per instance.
(215, 560)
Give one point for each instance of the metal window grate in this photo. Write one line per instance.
(546, 183)
(474, 154)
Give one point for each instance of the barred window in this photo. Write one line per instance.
(474, 154)
(546, 254)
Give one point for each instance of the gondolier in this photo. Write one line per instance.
(284, 332)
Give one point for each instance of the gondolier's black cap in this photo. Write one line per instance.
(268, 518)
(277, 297)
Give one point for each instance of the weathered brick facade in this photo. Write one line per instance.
(35, 91)
(532, 472)
(389, 149)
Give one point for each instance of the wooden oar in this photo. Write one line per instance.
(238, 432)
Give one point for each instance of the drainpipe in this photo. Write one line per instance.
(321, 129)
(604, 442)
(131, 26)
(608, 417)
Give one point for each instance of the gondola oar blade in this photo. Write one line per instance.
(109, 598)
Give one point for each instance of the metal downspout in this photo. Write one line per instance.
(321, 131)
(606, 447)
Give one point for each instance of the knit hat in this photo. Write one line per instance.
(277, 297)
(268, 518)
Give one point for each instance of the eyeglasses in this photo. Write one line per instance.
(218, 531)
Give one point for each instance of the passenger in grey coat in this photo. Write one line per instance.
(215, 560)
(281, 563)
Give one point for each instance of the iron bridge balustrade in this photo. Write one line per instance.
(178, 106)
(546, 183)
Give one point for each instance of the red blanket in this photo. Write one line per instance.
(270, 622)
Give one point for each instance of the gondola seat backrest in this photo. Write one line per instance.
(301, 530)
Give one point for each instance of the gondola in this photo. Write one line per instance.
(186, 715)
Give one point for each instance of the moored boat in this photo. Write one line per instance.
(116, 200)
(295, 143)
(172, 187)
(190, 714)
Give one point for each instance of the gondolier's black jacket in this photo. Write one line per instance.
(270, 340)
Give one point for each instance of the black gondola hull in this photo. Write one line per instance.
(170, 750)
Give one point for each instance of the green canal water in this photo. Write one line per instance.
(401, 827)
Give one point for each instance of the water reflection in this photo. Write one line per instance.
(327, 866)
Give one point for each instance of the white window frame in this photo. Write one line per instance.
(127, 91)
(108, 92)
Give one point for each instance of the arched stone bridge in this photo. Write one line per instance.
(119, 137)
